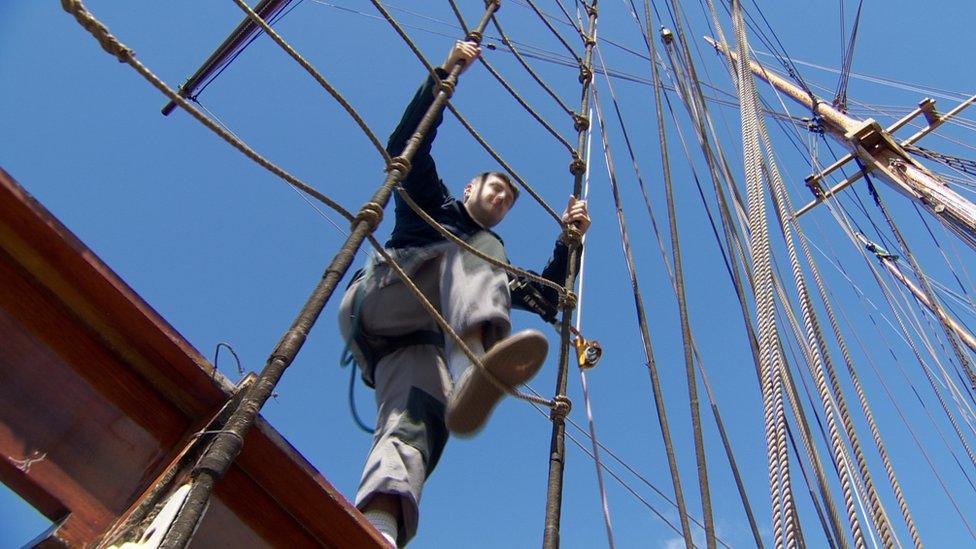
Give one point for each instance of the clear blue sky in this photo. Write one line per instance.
(226, 252)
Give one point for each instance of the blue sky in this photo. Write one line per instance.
(226, 252)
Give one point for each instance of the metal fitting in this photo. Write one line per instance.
(561, 406)
(474, 36)
(588, 352)
(666, 35)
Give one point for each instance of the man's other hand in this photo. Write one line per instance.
(463, 52)
(577, 213)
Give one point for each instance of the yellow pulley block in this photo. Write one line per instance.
(588, 351)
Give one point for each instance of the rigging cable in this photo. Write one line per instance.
(926, 287)
(126, 55)
(683, 314)
(784, 527)
(595, 452)
(901, 414)
(840, 97)
(651, 365)
(886, 292)
(818, 342)
(535, 76)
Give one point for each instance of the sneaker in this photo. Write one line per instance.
(513, 360)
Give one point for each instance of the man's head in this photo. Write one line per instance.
(488, 197)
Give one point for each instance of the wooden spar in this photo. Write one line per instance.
(244, 31)
(888, 261)
(878, 151)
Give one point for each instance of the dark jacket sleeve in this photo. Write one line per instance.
(539, 299)
(423, 184)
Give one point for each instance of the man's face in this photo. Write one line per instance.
(488, 200)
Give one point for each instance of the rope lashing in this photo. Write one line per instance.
(372, 214)
(399, 163)
(577, 166)
(586, 74)
(571, 236)
(474, 36)
(568, 301)
(101, 33)
(581, 122)
(444, 86)
(561, 406)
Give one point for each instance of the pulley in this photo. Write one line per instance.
(588, 351)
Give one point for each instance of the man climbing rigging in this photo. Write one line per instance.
(424, 385)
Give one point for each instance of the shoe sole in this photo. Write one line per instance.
(513, 361)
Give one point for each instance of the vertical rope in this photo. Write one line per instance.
(774, 418)
(683, 314)
(573, 239)
(591, 424)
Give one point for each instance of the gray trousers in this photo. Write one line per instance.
(412, 383)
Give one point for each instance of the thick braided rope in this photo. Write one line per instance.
(815, 339)
(880, 516)
(446, 327)
(317, 76)
(124, 54)
(759, 250)
(521, 273)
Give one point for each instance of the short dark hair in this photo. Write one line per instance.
(483, 176)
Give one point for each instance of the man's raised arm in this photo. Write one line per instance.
(544, 300)
(422, 182)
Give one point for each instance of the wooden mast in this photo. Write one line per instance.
(878, 151)
(888, 261)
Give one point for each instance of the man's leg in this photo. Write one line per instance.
(475, 301)
(411, 387)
